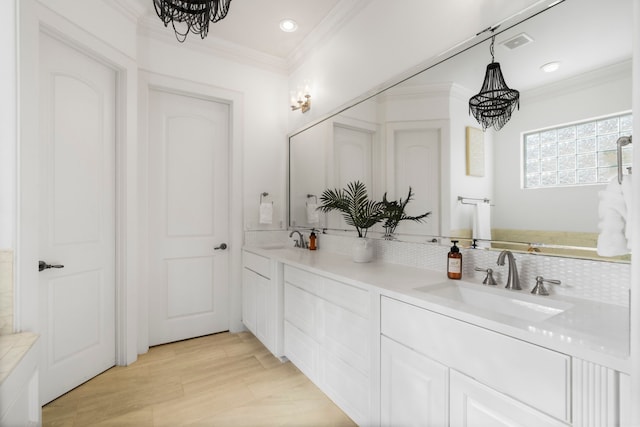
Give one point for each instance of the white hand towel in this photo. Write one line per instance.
(482, 223)
(613, 214)
(266, 213)
(312, 213)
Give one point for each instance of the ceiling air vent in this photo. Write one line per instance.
(517, 41)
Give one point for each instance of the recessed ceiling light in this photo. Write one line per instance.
(288, 25)
(550, 67)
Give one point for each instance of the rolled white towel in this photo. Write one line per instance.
(613, 214)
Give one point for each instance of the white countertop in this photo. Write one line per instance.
(13, 347)
(592, 331)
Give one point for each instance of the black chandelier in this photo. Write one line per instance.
(191, 15)
(495, 103)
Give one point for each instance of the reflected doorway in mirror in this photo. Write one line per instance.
(475, 151)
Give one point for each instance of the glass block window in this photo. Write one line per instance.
(578, 154)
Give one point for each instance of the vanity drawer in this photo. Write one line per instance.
(257, 263)
(529, 373)
(302, 351)
(354, 299)
(347, 336)
(303, 279)
(303, 310)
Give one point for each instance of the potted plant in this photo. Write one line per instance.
(358, 211)
(393, 213)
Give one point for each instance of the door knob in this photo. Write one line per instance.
(222, 247)
(43, 266)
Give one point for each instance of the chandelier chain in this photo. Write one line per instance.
(493, 39)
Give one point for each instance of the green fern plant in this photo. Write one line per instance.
(355, 206)
(393, 212)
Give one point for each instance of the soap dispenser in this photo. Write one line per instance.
(454, 262)
(312, 240)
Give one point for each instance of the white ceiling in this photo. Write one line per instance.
(254, 24)
(584, 35)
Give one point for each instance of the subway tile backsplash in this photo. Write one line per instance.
(601, 281)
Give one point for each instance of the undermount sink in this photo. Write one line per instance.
(519, 305)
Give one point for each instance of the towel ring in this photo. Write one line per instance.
(265, 194)
(315, 198)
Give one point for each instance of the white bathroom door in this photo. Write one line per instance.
(77, 217)
(352, 161)
(414, 157)
(188, 216)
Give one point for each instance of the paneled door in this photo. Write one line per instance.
(77, 217)
(353, 152)
(413, 388)
(188, 216)
(414, 157)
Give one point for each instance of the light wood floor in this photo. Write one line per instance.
(217, 380)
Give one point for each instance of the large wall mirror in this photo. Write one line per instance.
(419, 134)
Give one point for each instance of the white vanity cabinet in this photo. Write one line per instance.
(599, 395)
(327, 335)
(474, 404)
(489, 379)
(414, 389)
(262, 300)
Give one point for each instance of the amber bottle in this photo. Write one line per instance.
(312, 241)
(454, 262)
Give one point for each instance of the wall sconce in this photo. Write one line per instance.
(302, 105)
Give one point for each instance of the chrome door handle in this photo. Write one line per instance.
(222, 247)
(43, 266)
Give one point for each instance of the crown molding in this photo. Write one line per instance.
(151, 27)
(609, 73)
(338, 17)
(148, 26)
(132, 10)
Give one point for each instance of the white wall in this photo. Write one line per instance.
(596, 94)
(462, 184)
(263, 123)
(8, 125)
(384, 40)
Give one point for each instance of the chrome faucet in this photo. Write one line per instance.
(513, 281)
(300, 243)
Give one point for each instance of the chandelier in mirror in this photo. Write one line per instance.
(192, 16)
(495, 103)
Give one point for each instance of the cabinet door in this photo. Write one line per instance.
(346, 361)
(263, 322)
(249, 299)
(597, 393)
(413, 390)
(473, 404)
